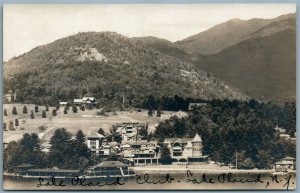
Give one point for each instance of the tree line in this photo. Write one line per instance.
(64, 151)
(242, 129)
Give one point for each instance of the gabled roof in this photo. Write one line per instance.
(90, 98)
(95, 135)
(197, 138)
(180, 140)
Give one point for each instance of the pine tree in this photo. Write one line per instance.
(11, 125)
(165, 155)
(47, 107)
(54, 112)
(150, 112)
(101, 131)
(82, 108)
(74, 109)
(158, 113)
(25, 110)
(31, 115)
(36, 108)
(65, 110)
(5, 112)
(16, 122)
(4, 126)
(14, 111)
(44, 114)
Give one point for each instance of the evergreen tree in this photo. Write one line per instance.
(54, 112)
(74, 109)
(80, 137)
(47, 107)
(5, 112)
(14, 111)
(16, 122)
(11, 126)
(144, 133)
(31, 115)
(165, 155)
(65, 110)
(60, 146)
(43, 114)
(158, 113)
(82, 108)
(101, 131)
(36, 108)
(150, 112)
(4, 126)
(25, 110)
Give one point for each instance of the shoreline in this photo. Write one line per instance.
(163, 170)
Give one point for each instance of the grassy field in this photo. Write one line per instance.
(86, 120)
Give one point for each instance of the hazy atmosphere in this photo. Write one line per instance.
(27, 26)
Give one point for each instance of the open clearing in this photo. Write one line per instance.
(86, 120)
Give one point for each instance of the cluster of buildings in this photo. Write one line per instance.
(282, 134)
(286, 164)
(139, 151)
(85, 101)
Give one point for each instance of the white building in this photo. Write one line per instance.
(186, 150)
(94, 142)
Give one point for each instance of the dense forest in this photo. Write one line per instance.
(230, 128)
(106, 66)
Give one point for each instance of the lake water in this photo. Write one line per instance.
(161, 182)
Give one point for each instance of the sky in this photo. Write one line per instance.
(28, 26)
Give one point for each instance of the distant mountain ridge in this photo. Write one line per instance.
(232, 32)
(257, 56)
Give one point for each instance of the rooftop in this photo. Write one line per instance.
(180, 140)
(24, 166)
(54, 170)
(197, 138)
(111, 164)
(94, 135)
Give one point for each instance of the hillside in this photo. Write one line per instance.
(163, 45)
(261, 67)
(105, 65)
(234, 31)
(258, 56)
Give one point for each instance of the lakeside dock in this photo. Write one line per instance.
(208, 169)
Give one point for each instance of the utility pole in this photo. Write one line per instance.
(236, 161)
(123, 100)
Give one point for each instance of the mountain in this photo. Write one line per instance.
(163, 45)
(262, 67)
(257, 56)
(106, 65)
(234, 31)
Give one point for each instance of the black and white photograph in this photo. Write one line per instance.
(149, 96)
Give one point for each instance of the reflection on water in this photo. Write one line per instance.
(159, 182)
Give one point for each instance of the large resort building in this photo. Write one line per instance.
(142, 152)
(186, 150)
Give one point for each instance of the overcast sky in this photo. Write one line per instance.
(27, 26)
